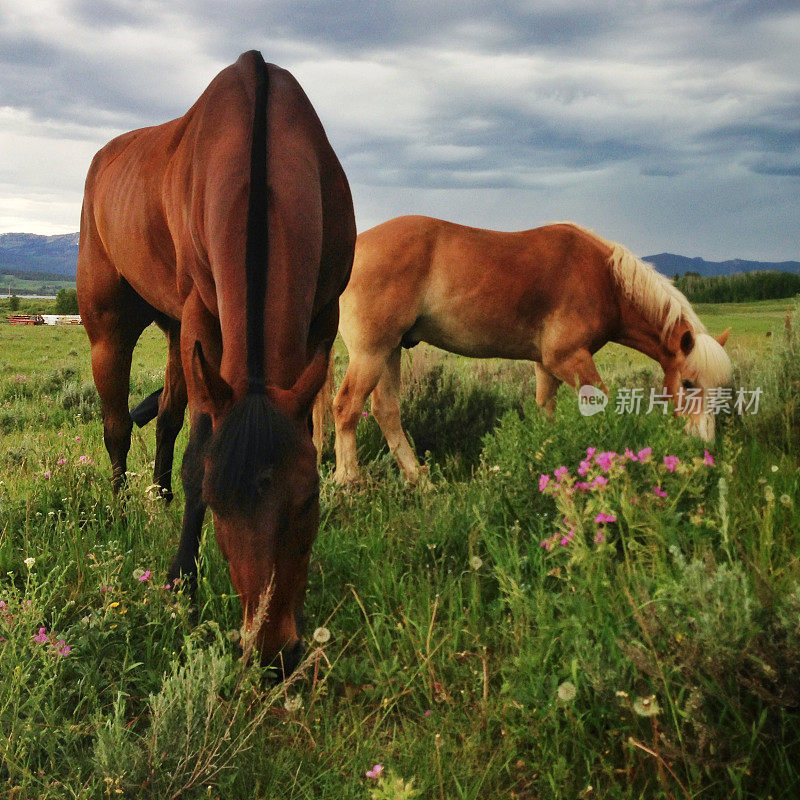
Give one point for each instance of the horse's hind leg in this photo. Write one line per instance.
(546, 389)
(114, 326)
(363, 373)
(171, 409)
(386, 409)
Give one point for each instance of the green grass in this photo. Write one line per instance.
(464, 656)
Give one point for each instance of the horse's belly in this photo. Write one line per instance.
(478, 338)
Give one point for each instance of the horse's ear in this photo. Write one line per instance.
(723, 337)
(297, 401)
(687, 342)
(213, 390)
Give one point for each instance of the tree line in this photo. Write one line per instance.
(738, 288)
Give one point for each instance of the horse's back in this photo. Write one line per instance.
(470, 290)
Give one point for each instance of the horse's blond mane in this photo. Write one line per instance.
(661, 303)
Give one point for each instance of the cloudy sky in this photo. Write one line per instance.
(668, 125)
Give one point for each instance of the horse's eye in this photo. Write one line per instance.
(688, 385)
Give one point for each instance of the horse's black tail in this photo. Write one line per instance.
(147, 409)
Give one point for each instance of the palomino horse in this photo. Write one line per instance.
(554, 295)
(232, 228)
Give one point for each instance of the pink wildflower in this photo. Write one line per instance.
(582, 486)
(600, 480)
(62, 648)
(145, 576)
(670, 462)
(708, 459)
(590, 451)
(547, 544)
(41, 637)
(61, 461)
(584, 466)
(375, 772)
(543, 481)
(644, 453)
(565, 540)
(427, 713)
(78, 438)
(630, 455)
(659, 492)
(599, 538)
(561, 473)
(47, 474)
(603, 517)
(605, 460)
(365, 414)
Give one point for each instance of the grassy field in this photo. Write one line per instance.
(23, 286)
(489, 638)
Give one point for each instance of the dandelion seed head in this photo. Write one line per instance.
(293, 704)
(322, 635)
(567, 692)
(646, 706)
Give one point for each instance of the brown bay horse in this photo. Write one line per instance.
(554, 295)
(231, 228)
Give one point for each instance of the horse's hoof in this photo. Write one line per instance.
(420, 480)
(347, 479)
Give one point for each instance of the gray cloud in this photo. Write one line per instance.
(447, 108)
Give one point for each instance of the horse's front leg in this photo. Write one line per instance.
(197, 325)
(184, 565)
(576, 368)
(546, 389)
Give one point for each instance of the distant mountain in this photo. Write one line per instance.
(22, 253)
(29, 252)
(669, 264)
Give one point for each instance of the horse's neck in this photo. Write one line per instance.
(641, 334)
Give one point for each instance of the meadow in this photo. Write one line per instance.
(502, 632)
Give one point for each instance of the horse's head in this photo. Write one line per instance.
(698, 367)
(261, 482)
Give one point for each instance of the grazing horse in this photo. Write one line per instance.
(231, 228)
(554, 295)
